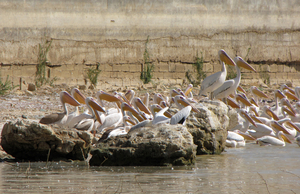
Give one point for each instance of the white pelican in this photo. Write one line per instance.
(86, 121)
(271, 140)
(181, 116)
(257, 94)
(212, 82)
(60, 118)
(234, 140)
(244, 124)
(262, 129)
(159, 117)
(111, 121)
(182, 102)
(230, 86)
(81, 99)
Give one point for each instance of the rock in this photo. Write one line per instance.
(289, 84)
(29, 140)
(31, 87)
(91, 87)
(152, 146)
(209, 127)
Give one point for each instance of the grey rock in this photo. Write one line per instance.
(29, 140)
(161, 145)
(209, 127)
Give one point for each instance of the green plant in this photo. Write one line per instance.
(263, 74)
(5, 86)
(148, 68)
(247, 53)
(93, 73)
(40, 75)
(200, 74)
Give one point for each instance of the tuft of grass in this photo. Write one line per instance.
(5, 86)
(148, 68)
(200, 74)
(93, 73)
(40, 75)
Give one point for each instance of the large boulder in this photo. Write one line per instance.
(159, 145)
(28, 140)
(209, 127)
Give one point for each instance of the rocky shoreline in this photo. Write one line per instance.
(207, 134)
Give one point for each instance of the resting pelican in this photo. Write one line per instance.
(212, 82)
(230, 86)
(257, 93)
(270, 140)
(60, 118)
(86, 121)
(181, 116)
(81, 99)
(234, 140)
(244, 124)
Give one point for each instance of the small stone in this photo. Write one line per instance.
(82, 87)
(91, 87)
(289, 84)
(24, 116)
(31, 87)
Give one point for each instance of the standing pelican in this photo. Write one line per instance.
(230, 86)
(212, 82)
(60, 118)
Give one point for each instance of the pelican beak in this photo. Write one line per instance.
(126, 107)
(288, 111)
(279, 127)
(142, 106)
(231, 95)
(225, 58)
(241, 63)
(158, 108)
(129, 94)
(239, 88)
(185, 103)
(290, 95)
(129, 120)
(243, 100)
(174, 93)
(232, 103)
(254, 110)
(246, 136)
(163, 104)
(289, 89)
(67, 98)
(78, 96)
(288, 104)
(108, 97)
(256, 119)
(285, 138)
(188, 90)
(272, 114)
(291, 124)
(279, 94)
(95, 105)
(259, 93)
(249, 118)
(254, 102)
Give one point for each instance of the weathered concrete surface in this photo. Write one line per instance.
(114, 34)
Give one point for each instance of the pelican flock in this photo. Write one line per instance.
(114, 114)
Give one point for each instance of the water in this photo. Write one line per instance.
(252, 169)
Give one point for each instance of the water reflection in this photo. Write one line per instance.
(252, 169)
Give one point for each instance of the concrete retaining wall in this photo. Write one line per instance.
(114, 34)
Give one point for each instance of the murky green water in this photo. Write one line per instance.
(252, 169)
